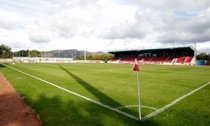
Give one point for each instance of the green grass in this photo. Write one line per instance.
(114, 85)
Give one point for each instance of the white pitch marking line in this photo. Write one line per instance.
(142, 106)
(173, 102)
(79, 95)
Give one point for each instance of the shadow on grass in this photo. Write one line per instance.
(102, 97)
(62, 110)
(98, 94)
(54, 111)
(1, 66)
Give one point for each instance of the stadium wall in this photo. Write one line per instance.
(47, 60)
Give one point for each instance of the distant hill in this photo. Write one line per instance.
(68, 53)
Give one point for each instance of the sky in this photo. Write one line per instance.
(104, 25)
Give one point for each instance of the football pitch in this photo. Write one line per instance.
(105, 94)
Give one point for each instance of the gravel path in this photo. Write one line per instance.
(13, 110)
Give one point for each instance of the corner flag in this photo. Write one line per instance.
(136, 69)
(136, 66)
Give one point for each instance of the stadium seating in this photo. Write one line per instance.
(188, 59)
(172, 55)
(156, 60)
(169, 59)
(184, 59)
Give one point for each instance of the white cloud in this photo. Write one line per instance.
(187, 29)
(103, 24)
(11, 20)
(38, 33)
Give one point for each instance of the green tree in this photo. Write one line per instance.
(35, 53)
(107, 57)
(5, 51)
(90, 57)
(22, 53)
(79, 57)
(104, 57)
(28, 53)
(202, 56)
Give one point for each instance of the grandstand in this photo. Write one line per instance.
(176, 55)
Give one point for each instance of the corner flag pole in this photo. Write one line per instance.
(138, 93)
(136, 69)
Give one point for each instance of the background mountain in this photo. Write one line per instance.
(68, 53)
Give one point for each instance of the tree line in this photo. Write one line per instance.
(27, 53)
(104, 57)
(6, 52)
(203, 56)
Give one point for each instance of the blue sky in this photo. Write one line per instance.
(102, 25)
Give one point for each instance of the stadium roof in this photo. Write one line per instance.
(167, 48)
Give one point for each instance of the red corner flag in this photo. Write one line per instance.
(136, 69)
(136, 66)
